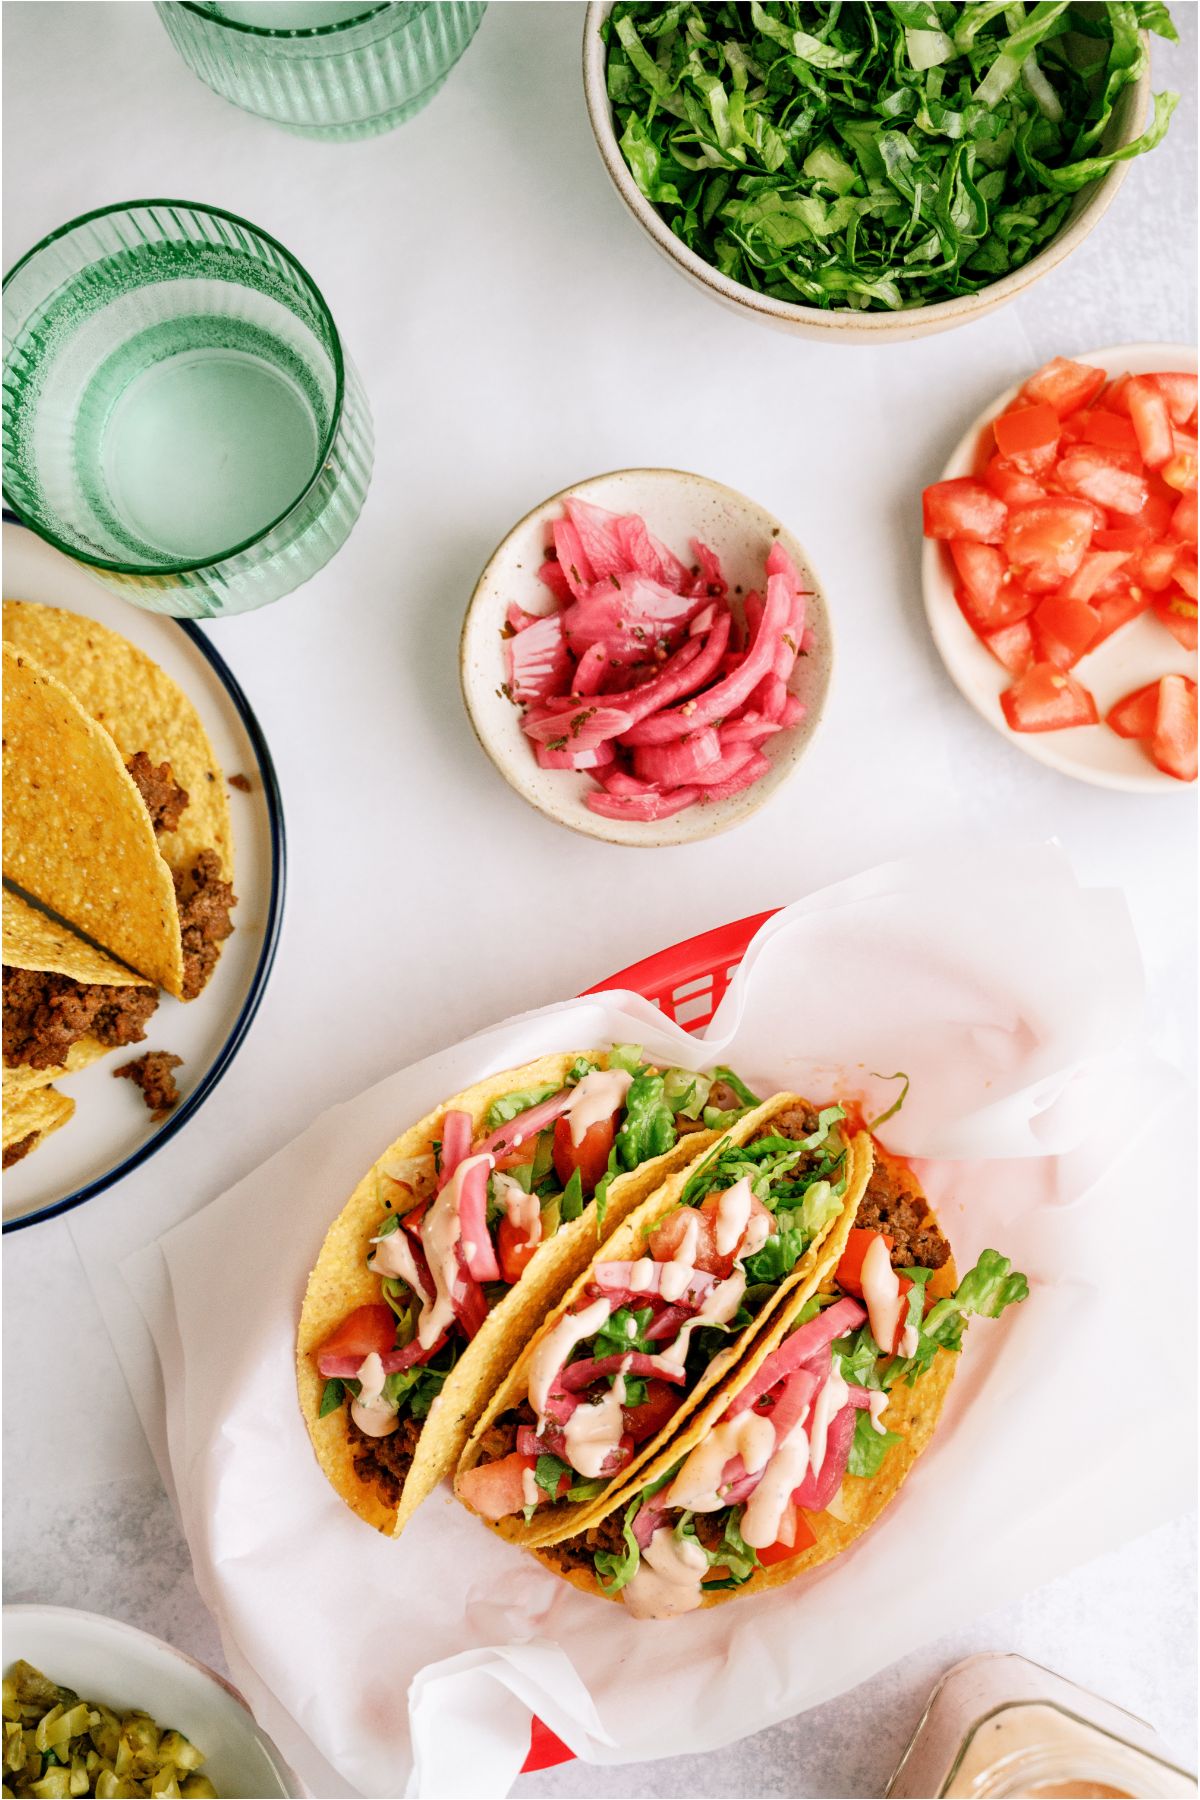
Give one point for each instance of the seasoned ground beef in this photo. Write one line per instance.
(241, 783)
(500, 1438)
(385, 1461)
(162, 795)
(45, 1014)
(794, 1122)
(578, 1552)
(152, 1073)
(205, 902)
(894, 1204)
(14, 1152)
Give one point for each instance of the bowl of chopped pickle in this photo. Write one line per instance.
(94, 1706)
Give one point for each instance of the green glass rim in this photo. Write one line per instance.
(205, 11)
(335, 415)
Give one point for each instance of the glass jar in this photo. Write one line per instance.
(999, 1725)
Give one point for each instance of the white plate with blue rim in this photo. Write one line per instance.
(111, 1131)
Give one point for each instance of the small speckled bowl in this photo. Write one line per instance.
(677, 507)
(842, 324)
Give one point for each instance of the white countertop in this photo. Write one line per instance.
(516, 332)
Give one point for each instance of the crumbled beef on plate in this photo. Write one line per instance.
(44, 1015)
(152, 1073)
(205, 902)
(162, 795)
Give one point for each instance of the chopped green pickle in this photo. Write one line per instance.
(56, 1744)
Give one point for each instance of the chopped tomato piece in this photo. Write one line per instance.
(1154, 567)
(514, 1250)
(1097, 475)
(803, 1538)
(1027, 435)
(1118, 609)
(1122, 537)
(1064, 630)
(1065, 385)
(1096, 574)
(1045, 542)
(662, 1401)
(1012, 646)
(1185, 571)
(1178, 614)
(1179, 391)
(1010, 485)
(1173, 745)
(497, 1489)
(1183, 519)
(673, 1231)
(1180, 472)
(1133, 716)
(1046, 699)
(590, 1157)
(989, 597)
(849, 1269)
(367, 1328)
(1151, 421)
(1161, 502)
(963, 509)
(1107, 430)
(1115, 398)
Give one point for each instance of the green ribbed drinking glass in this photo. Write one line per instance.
(179, 414)
(324, 68)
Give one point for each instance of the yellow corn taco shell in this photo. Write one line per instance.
(627, 1243)
(76, 834)
(31, 1118)
(340, 1281)
(912, 1412)
(141, 708)
(33, 940)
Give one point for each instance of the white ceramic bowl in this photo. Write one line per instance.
(1133, 656)
(843, 324)
(105, 1660)
(677, 507)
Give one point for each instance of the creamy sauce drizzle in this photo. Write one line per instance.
(521, 1209)
(595, 1099)
(876, 1405)
(369, 1410)
(881, 1294)
(440, 1235)
(749, 1435)
(830, 1401)
(557, 1346)
(733, 1215)
(667, 1580)
(763, 1515)
(531, 1493)
(593, 1431)
(394, 1257)
(720, 1304)
(677, 1274)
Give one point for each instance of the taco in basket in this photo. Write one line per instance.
(453, 1248)
(800, 1450)
(660, 1317)
(116, 816)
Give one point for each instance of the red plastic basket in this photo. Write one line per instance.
(688, 982)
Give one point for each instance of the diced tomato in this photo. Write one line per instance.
(1178, 614)
(1107, 430)
(1185, 571)
(1045, 542)
(1122, 537)
(1115, 398)
(1013, 646)
(1065, 385)
(1180, 472)
(1096, 574)
(963, 509)
(367, 1328)
(1183, 519)
(1133, 716)
(1154, 567)
(1118, 609)
(514, 1251)
(1161, 502)
(849, 1269)
(1173, 745)
(989, 597)
(643, 1422)
(1179, 391)
(1151, 421)
(1098, 475)
(590, 1157)
(803, 1538)
(1010, 485)
(1063, 630)
(1027, 435)
(1046, 699)
(497, 1489)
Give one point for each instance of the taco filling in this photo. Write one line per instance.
(749, 1494)
(458, 1227)
(46, 1014)
(641, 1335)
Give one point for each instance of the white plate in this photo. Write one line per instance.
(677, 507)
(125, 1669)
(1137, 654)
(111, 1130)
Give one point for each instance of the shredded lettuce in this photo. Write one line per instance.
(615, 1571)
(507, 1106)
(332, 1396)
(570, 1205)
(871, 156)
(868, 1447)
(648, 1128)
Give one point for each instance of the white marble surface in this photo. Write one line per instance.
(515, 332)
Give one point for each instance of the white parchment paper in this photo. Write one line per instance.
(1012, 998)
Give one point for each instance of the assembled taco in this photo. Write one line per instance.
(30, 1119)
(116, 814)
(802, 1448)
(66, 1003)
(666, 1309)
(453, 1248)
